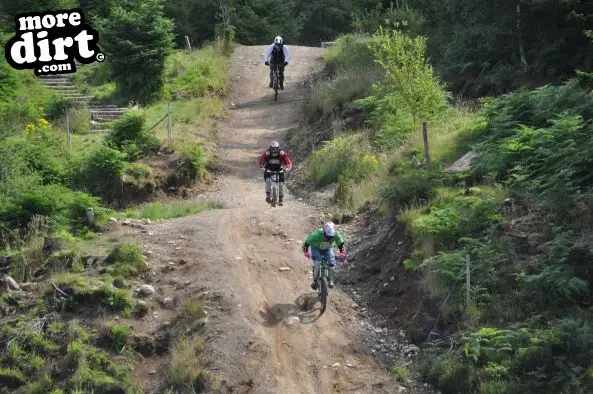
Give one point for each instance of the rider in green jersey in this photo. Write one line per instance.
(321, 242)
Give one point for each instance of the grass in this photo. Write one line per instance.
(193, 120)
(198, 73)
(170, 210)
(444, 136)
(93, 79)
(401, 371)
(185, 372)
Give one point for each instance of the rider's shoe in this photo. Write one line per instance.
(268, 199)
(314, 285)
(270, 85)
(281, 87)
(280, 202)
(331, 284)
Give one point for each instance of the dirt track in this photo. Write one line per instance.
(261, 340)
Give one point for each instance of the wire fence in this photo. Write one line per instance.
(167, 116)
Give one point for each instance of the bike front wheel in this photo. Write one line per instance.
(323, 294)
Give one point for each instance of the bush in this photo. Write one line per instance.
(198, 73)
(64, 206)
(130, 136)
(101, 173)
(41, 150)
(125, 261)
(56, 108)
(344, 155)
(409, 188)
(191, 166)
(83, 293)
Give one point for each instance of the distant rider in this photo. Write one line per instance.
(277, 53)
(321, 242)
(274, 159)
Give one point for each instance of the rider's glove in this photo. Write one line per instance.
(286, 63)
(267, 63)
(341, 256)
(308, 255)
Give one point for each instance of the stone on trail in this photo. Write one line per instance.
(284, 269)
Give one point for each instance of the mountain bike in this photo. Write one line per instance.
(323, 282)
(275, 79)
(275, 180)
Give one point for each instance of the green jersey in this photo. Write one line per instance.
(317, 240)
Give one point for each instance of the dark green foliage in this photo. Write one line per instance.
(102, 171)
(409, 188)
(131, 137)
(492, 47)
(137, 37)
(540, 143)
(191, 166)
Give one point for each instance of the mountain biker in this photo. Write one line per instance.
(277, 53)
(321, 242)
(274, 159)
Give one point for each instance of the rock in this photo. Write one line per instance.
(112, 219)
(378, 330)
(392, 279)
(11, 283)
(146, 289)
(284, 269)
(402, 334)
(168, 303)
(182, 262)
(150, 233)
(411, 349)
(335, 365)
(126, 222)
(146, 221)
(385, 284)
(152, 372)
(238, 258)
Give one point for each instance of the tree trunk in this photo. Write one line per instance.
(520, 39)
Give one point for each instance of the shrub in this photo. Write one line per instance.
(64, 206)
(130, 136)
(186, 367)
(409, 188)
(191, 166)
(344, 155)
(57, 106)
(102, 171)
(43, 152)
(126, 261)
(198, 73)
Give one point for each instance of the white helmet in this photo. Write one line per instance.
(278, 40)
(329, 229)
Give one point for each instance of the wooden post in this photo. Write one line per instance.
(467, 283)
(68, 127)
(188, 43)
(426, 148)
(169, 131)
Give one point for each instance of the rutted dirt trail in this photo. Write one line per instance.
(260, 338)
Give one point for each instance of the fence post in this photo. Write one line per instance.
(169, 131)
(467, 284)
(426, 148)
(68, 127)
(188, 43)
